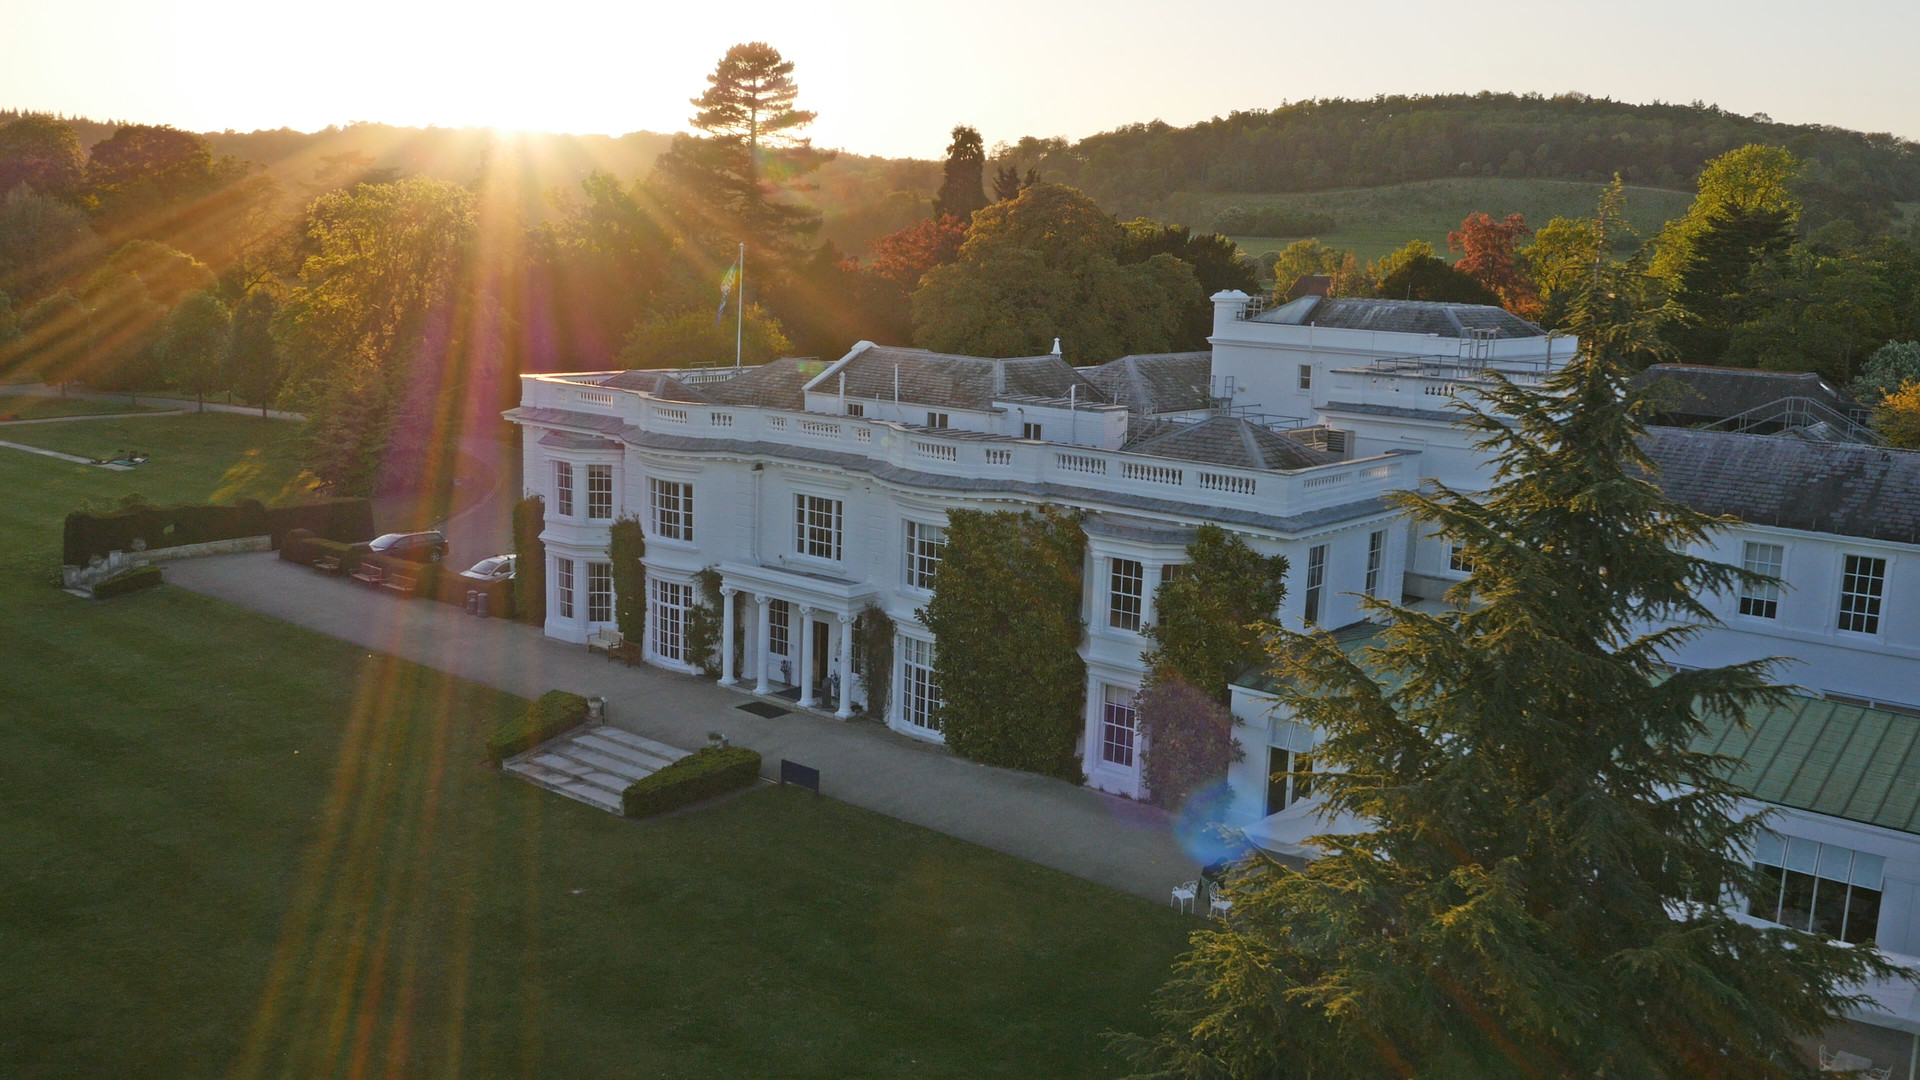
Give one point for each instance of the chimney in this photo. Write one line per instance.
(1056, 347)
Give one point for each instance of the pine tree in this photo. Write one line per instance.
(961, 191)
(727, 186)
(1540, 894)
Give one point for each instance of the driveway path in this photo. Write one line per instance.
(1094, 836)
(43, 390)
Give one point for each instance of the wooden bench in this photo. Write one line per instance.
(400, 583)
(606, 639)
(368, 573)
(627, 652)
(327, 563)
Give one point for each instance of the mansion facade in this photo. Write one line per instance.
(820, 490)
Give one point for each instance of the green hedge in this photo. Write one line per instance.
(530, 573)
(293, 547)
(701, 775)
(140, 577)
(555, 712)
(349, 520)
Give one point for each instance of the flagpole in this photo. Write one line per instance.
(740, 312)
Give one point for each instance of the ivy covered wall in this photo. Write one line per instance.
(1005, 616)
(626, 547)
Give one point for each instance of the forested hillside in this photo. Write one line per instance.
(1319, 145)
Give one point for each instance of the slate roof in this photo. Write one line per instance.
(1846, 761)
(657, 383)
(1400, 316)
(1715, 393)
(1157, 382)
(946, 381)
(1310, 285)
(563, 440)
(1841, 488)
(1230, 440)
(777, 384)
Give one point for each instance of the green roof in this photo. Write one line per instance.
(1845, 761)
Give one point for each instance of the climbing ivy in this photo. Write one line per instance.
(1212, 616)
(1005, 616)
(530, 560)
(873, 645)
(626, 547)
(703, 623)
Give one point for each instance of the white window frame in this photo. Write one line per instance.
(563, 489)
(1458, 560)
(856, 408)
(1292, 788)
(780, 628)
(1119, 727)
(1861, 608)
(600, 492)
(563, 586)
(926, 546)
(1830, 866)
(1316, 584)
(1761, 600)
(667, 622)
(599, 592)
(1376, 560)
(939, 420)
(1306, 376)
(1030, 430)
(819, 526)
(1126, 593)
(671, 503)
(919, 690)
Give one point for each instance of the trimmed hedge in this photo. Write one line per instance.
(293, 547)
(701, 775)
(350, 520)
(140, 577)
(89, 534)
(555, 712)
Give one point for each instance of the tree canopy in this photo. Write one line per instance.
(962, 188)
(43, 153)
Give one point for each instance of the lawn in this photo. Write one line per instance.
(1375, 221)
(25, 407)
(233, 846)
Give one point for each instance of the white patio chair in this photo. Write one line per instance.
(1183, 895)
(1217, 904)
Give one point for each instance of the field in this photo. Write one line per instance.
(235, 847)
(1375, 221)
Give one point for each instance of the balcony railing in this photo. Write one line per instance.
(972, 455)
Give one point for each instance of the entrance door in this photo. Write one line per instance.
(821, 648)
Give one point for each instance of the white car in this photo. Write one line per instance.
(498, 568)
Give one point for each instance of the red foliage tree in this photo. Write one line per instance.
(903, 257)
(1489, 256)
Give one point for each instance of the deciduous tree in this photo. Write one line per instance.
(252, 363)
(1416, 273)
(904, 257)
(192, 343)
(1488, 255)
(43, 153)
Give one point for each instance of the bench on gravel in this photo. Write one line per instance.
(400, 583)
(368, 573)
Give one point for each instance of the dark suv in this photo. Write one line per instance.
(413, 546)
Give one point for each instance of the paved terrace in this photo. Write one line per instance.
(1105, 839)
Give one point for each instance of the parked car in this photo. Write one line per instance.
(413, 546)
(498, 568)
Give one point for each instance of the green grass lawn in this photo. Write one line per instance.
(235, 847)
(1378, 220)
(24, 407)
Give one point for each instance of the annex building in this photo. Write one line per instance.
(819, 490)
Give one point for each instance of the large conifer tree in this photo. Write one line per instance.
(1541, 892)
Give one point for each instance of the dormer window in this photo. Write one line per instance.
(937, 420)
(856, 408)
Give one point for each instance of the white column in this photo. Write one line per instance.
(1149, 583)
(846, 668)
(766, 617)
(803, 664)
(726, 637)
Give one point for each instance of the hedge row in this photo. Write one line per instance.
(140, 577)
(555, 712)
(433, 581)
(701, 775)
(88, 534)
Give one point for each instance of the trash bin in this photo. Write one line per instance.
(481, 605)
(473, 602)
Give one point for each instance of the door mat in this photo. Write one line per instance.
(763, 710)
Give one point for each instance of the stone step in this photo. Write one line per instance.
(625, 772)
(650, 762)
(593, 796)
(639, 742)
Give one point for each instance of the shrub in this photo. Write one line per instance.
(530, 576)
(349, 520)
(350, 555)
(626, 547)
(293, 547)
(140, 577)
(701, 775)
(87, 534)
(555, 712)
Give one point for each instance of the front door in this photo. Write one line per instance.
(821, 647)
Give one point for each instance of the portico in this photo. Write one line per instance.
(799, 633)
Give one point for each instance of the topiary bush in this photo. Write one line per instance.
(530, 574)
(140, 577)
(293, 547)
(701, 775)
(626, 547)
(555, 712)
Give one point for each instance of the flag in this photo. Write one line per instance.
(726, 289)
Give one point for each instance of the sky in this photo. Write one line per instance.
(892, 78)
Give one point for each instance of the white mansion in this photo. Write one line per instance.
(819, 489)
